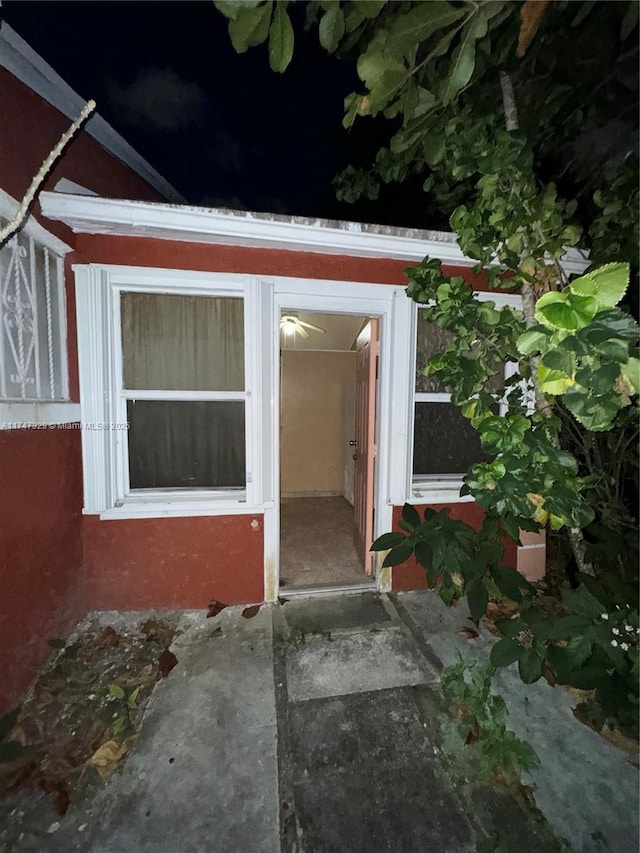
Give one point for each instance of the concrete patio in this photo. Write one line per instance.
(310, 728)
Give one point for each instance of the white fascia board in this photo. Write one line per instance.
(32, 228)
(24, 63)
(122, 218)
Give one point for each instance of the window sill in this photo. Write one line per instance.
(186, 509)
(32, 414)
(437, 492)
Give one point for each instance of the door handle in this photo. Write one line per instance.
(353, 444)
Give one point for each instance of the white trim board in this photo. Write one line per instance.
(87, 215)
(23, 62)
(32, 228)
(36, 415)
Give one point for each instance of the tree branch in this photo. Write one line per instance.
(12, 227)
(509, 102)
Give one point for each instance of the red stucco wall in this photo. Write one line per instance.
(174, 254)
(40, 549)
(409, 575)
(40, 470)
(173, 562)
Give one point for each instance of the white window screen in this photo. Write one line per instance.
(33, 356)
(173, 346)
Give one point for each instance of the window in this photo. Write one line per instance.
(33, 350)
(176, 386)
(445, 445)
(184, 387)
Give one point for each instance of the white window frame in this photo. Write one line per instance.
(443, 488)
(43, 410)
(104, 400)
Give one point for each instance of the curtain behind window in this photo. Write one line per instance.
(184, 343)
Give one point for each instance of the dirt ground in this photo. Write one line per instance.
(79, 719)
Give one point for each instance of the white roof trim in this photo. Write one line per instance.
(32, 228)
(262, 230)
(25, 64)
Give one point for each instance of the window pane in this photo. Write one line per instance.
(430, 340)
(444, 441)
(182, 343)
(186, 444)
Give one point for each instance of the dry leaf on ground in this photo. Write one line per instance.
(166, 663)
(105, 759)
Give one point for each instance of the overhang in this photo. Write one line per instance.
(121, 218)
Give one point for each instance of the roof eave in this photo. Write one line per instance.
(115, 217)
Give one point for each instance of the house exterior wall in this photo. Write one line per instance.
(41, 470)
(40, 549)
(137, 563)
(172, 563)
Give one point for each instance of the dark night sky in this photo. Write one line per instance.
(222, 128)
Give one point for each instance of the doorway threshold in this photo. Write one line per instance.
(341, 589)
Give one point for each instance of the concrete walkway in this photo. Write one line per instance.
(309, 728)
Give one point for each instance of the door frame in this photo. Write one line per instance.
(388, 303)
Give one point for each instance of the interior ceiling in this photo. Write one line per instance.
(341, 332)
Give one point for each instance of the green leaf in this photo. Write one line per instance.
(231, 8)
(505, 652)
(411, 515)
(630, 20)
(554, 382)
(565, 310)
(250, 27)
(385, 88)
(371, 8)
(583, 602)
(606, 284)
(567, 626)
(533, 341)
(386, 541)
(331, 28)
(132, 700)
(478, 598)
(530, 665)
(447, 594)
(464, 58)
(512, 527)
(433, 148)
(419, 23)
(116, 690)
(631, 373)
(280, 39)
(424, 554)
(398, 555)
(510, 582)
(119, 724)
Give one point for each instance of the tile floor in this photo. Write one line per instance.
(316, 543)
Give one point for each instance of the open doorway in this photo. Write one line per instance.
(326, 449)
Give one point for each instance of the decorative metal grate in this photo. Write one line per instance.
(32, 322)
